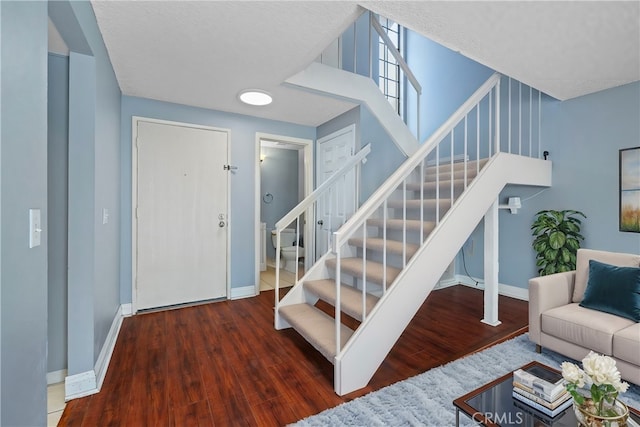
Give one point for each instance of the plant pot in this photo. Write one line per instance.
(586, 414)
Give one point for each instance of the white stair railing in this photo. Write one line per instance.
(463, 144)
(307, 210)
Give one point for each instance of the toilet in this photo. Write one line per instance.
(288, 249)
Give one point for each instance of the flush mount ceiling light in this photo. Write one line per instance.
(255, 97)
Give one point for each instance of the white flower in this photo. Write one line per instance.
(600, 375)
(573, 374)
(601, 369)
(620, 386)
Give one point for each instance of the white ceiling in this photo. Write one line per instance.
(202, 53)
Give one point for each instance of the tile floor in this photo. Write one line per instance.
(268, 278)
(55, 403)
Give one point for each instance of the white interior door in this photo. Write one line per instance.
(339, 203)
(181, 214)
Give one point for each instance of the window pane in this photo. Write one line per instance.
(392, 89)
(392, 72)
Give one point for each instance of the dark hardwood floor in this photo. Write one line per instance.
(224, 364)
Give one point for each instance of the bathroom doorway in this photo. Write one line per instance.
(284, 177)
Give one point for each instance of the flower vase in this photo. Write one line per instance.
(586, 414)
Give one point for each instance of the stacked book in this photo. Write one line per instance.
(541, 389)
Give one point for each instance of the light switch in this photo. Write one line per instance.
(35, 229)
(105, 215)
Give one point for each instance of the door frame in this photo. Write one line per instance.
(307, 145)
(134, 199)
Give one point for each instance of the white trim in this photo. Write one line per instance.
(102, 363)
(506, 290)
(134, 198)
(126, 309)
(307, 145)
(90, 382)
(80, 385)
(56, 377)
(447, 283)
(243, 292)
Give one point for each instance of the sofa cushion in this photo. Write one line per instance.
(626, 344)
(582, 266)
(584, 327)
(613, 289)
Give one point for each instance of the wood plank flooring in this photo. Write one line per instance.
(223, 364)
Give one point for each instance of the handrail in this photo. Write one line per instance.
(385, 190)
(305, 204)
(317, 193)
(405, 67)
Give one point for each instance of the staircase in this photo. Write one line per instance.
(387, 258)
(394, 238)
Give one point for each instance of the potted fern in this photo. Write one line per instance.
(557, 239)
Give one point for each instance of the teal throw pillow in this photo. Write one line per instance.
(613, 289)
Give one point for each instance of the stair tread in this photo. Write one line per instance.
(378, 244)
(472, 165)
(443, 183)
(350, 298)
(415, 203)
(375, 270)
(317, 327)
(398, 224)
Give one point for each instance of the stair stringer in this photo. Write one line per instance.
(368, 347)
(341, 84)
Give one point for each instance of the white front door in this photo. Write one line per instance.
(181, 214)
(339, 203)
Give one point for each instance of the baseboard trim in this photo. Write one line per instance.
(90, 382)
(447, 283)
(80, 385)
(127, 309)
(56, 376)
(102, 364)
(243, 292)
(506, 290)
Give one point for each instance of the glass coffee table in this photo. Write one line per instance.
(493, 405)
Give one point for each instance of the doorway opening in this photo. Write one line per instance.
(284, 177)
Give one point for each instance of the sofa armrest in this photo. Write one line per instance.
(547, 292)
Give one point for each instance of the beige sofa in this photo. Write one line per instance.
(559, 323)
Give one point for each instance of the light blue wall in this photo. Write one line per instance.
(243, 155)
(23, 185)
(583, 136)
(279, 177)
(58, 152)
(94, 183)
(363, 52)
(349, 118)
(106, 251)
(81, 237)
(447, 79)
(385, 156)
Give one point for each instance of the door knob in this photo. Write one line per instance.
(320, 222)
(221, 224)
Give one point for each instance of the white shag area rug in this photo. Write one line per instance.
(427, 399)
